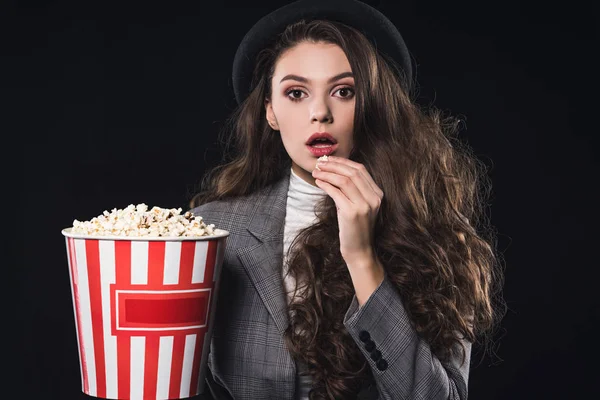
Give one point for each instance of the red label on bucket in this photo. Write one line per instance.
(145, 310)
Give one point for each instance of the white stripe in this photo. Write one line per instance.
(107, 276)
(74, 308)
(219, 260)
(188, 360)
(172, 261)
(138, 351)
(139, 262)
(201, 250)
(139, 275)
(86, 315)
(165, 355)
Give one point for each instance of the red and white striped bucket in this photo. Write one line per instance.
(144, 310)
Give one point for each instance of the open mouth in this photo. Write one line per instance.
(321, 143)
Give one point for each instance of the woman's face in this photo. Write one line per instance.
(313, 91)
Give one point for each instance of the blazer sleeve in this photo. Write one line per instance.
(402, 363)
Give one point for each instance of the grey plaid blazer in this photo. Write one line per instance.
(248, 356)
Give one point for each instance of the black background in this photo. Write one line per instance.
(118, 103)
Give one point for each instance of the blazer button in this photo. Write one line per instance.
(370, 345)
(364, 336)
(382, 364)
(375, 355)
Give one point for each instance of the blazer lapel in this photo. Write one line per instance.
(263, 259)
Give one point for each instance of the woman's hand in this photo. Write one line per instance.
(358, 199)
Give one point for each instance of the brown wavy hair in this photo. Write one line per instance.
(431, 235)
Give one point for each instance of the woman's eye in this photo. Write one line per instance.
(346, 92)
(294, 94)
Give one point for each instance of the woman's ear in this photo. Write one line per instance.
(271, 119)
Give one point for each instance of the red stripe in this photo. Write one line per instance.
(186, 265)
(75, 278)
(123, 278)
(196, 364)
(156, 262)
(176, 366)
(94, 284)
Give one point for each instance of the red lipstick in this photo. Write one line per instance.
(321, 144)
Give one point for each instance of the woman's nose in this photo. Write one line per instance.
(321, 113)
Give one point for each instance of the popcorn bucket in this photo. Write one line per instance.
(144, 310)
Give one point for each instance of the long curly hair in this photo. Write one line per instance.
(431, 235)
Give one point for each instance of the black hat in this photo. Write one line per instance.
(370, 21)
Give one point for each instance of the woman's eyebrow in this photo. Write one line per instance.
(303, 79)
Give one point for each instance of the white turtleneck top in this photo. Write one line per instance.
(300, 213)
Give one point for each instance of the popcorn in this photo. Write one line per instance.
(138, 221)
(322, 158)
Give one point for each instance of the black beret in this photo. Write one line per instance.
(370, 21)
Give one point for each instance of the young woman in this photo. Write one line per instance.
(364, 278)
